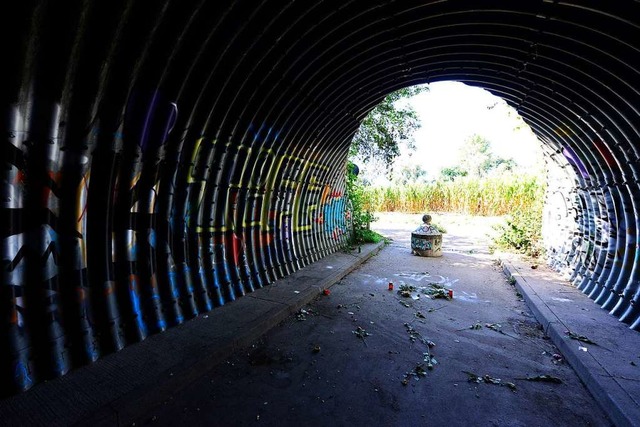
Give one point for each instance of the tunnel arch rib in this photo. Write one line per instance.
(166, 158)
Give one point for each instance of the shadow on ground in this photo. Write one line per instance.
(365, 355)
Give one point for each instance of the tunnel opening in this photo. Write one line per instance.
(162, 160)
(448, 147)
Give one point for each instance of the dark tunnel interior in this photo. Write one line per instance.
(165, 158)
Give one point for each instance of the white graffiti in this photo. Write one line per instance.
(420, 277)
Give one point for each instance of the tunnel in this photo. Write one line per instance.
(165, 158)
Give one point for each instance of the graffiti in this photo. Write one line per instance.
(421, 277)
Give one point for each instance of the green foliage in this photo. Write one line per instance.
(440, 228)
(450, 174)
(490, 196)
(370, 236)
(477, 160)
(361, 216)
(411, 175)
(522, 231)
(385, 127)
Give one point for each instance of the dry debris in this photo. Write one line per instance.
(577, 337)
(361, 333)
(487, 379)
(435, 290)
(303, 313)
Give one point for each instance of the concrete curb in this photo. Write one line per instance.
(613, 399)
(120, 386)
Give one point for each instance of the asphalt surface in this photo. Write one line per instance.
(498, 353)
(365, 355)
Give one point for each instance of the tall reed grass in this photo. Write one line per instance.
(487, 196)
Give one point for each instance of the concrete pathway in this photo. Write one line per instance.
(365, 355)
(610, 368)
(289, 355)
(117, 388)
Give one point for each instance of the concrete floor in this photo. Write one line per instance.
(354, 357)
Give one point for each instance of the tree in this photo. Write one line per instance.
(386, 127)
(477, 159)
(411, 175)
(450, 174)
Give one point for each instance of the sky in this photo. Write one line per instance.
(451, 112)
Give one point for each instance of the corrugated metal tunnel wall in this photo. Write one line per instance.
(164, 158)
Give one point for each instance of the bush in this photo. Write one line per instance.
(522, 232)
(361, 215)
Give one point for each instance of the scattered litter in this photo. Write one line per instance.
(420, 315)
(432, 309)
(361, 333)
(405, 291)
(487, 379)
(435, 290)
(326, 292)
(633, 363)
(206, 316)
(416, 372)
(406, 304)
(373, 295)
(494, 326)
(498, 328)
(350, 312)
(316, 349)
(390, 286)
(302, 314)
(543, 378)
(415, 336)
(429, 360)
(474, 327)
(296, 292)
(581, 348)
(582, 338)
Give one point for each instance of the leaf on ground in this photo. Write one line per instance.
(430, 360)
(577, 337)
(417, 372)
(488, 379)
(361, 333)
(473, 378)
(416, 336)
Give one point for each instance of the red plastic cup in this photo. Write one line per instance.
(390, 286)
(451, 293)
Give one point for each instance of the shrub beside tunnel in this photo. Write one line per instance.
(162, 159)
